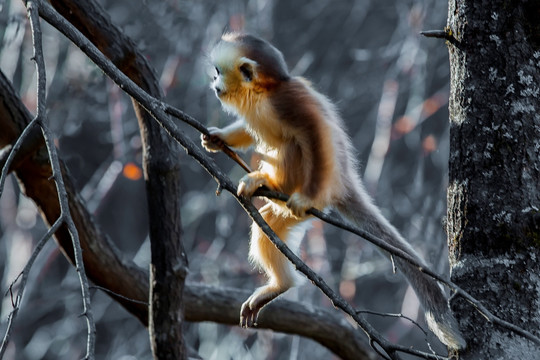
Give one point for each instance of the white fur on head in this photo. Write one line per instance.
(224, 55)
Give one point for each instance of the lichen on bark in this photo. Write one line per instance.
(494, 171)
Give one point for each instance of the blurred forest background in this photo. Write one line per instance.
(390, 84)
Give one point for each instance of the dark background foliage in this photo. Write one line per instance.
(390, 85)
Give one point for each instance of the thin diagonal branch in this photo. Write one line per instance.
(408, 319)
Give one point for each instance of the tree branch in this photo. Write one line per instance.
(325, 326)
(445, 34)
(65, 215)
(24, 278)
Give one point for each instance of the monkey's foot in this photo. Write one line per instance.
(299, 204)
(251, 307)
(248, 316)
(212, 142)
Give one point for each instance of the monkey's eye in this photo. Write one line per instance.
(216, 72)
(247, 72)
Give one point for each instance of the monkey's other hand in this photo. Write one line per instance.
(299, 204)
(250, 183)
(212, 142)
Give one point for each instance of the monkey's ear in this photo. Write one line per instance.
(247, 68)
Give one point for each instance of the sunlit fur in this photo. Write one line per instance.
(305, 153)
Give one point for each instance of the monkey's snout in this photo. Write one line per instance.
(218, 90)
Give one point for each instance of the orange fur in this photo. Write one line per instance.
(296, 157)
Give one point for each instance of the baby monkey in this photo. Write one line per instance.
(305, 153)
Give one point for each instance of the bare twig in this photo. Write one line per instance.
(12, 152)
(440, 34)
(32, 8)
(24, 277)
(445, 34)
(401, 316)
(158, 111)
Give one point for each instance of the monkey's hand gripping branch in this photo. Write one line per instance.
(213, 142)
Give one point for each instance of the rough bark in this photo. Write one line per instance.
(494, 187)
(160, 161)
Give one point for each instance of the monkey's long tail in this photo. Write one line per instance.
(358, 208)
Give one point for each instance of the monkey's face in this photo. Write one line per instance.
(246, 70)
(235, 79)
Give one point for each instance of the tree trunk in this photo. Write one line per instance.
(494, 175)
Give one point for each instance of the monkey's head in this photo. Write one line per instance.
(246, 69)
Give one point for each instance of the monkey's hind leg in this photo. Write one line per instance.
(267, 257)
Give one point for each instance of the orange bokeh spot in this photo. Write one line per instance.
(237, 22)
(431, 106)
(404, 125)
(132, 171)
(429, 144)
(347, 289)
